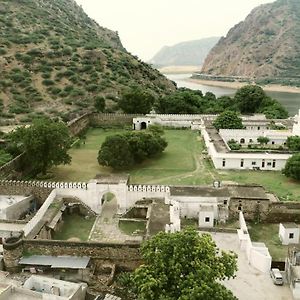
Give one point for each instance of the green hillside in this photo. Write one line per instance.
(55, 61)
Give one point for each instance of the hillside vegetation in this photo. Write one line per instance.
(191, 53)
(56, 61)
(265, 47)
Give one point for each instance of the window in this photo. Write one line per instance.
(225, 202)
(269, 164)
(263, 163)
(253, 163)
(240, 207)
(250, 140)
(258, 128)
(274, 163)
(207, 219)
(273, 143)
(242, 141)
(291, 236)
(242, 163)
(224, 162)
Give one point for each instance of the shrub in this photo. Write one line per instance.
(48, 82)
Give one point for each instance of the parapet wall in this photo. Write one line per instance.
(39, 189)
(8, 170)
(112, 119)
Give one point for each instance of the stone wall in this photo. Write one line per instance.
(79, 124)
(251, 208)
(283, 212)
(125, 256)
(121, 120)
(9, 170)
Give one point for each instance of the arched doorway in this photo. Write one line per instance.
(143, 125)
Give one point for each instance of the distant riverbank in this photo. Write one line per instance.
(237, 85)
(290, 99)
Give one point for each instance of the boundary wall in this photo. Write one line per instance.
(257, 253)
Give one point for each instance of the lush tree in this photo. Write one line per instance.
(182, 266)
(123, 150)
(156, 129)
(99, 104)
(249, 98)
(273, 109)
(116, 153)
(292, 167)
(228, 120)
(137, 101)
(293, 143)
(45, 143)
(263, 140)
(234, 145)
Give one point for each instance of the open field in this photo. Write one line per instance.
(182, 163)
(268, 234)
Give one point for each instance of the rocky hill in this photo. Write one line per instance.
(265, 46)
(191, 53)
(55, 61)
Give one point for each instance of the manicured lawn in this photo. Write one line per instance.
(75, 227)
(182, 163)
(268, 234)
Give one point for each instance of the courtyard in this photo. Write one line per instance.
(249, 283)
(184, 162)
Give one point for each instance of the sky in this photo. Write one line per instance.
(145, 26)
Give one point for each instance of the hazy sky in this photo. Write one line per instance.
(145, 26)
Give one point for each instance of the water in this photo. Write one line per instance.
(291, 101)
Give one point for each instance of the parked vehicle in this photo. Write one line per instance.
(276, 276)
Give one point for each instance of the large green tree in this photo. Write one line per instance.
(249, 98)
(183, 266)
(136, 101)
(228, 120)
(292, 167)
(293, 143)
(45, 144)
(115, 152)
(123, 150)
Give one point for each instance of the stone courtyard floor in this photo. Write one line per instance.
(106, 227)
(249, 283)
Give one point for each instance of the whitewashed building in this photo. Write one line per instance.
(289, 233)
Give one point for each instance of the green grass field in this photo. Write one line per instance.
(182, 163)
(75, 226)
(268, 234)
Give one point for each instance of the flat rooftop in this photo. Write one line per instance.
(8, 200)
(199, 191)
(290, 225)
(235, 191)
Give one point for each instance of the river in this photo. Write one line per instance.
(291, 101)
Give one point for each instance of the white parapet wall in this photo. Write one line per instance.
(257, 253)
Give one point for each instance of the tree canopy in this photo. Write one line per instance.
(292, 167)
(122, 151)
(293, 143)
(182, 266)
(228, 120)
(136, 101)
(248, 99)
(45, 143)
(263, 140)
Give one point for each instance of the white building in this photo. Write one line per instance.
(44, 288)
(289, 233)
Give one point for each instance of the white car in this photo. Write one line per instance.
(276, 276)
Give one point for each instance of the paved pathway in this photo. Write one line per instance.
(106, 227)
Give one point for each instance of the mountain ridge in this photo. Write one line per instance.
(265, 46)
(184, 53)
